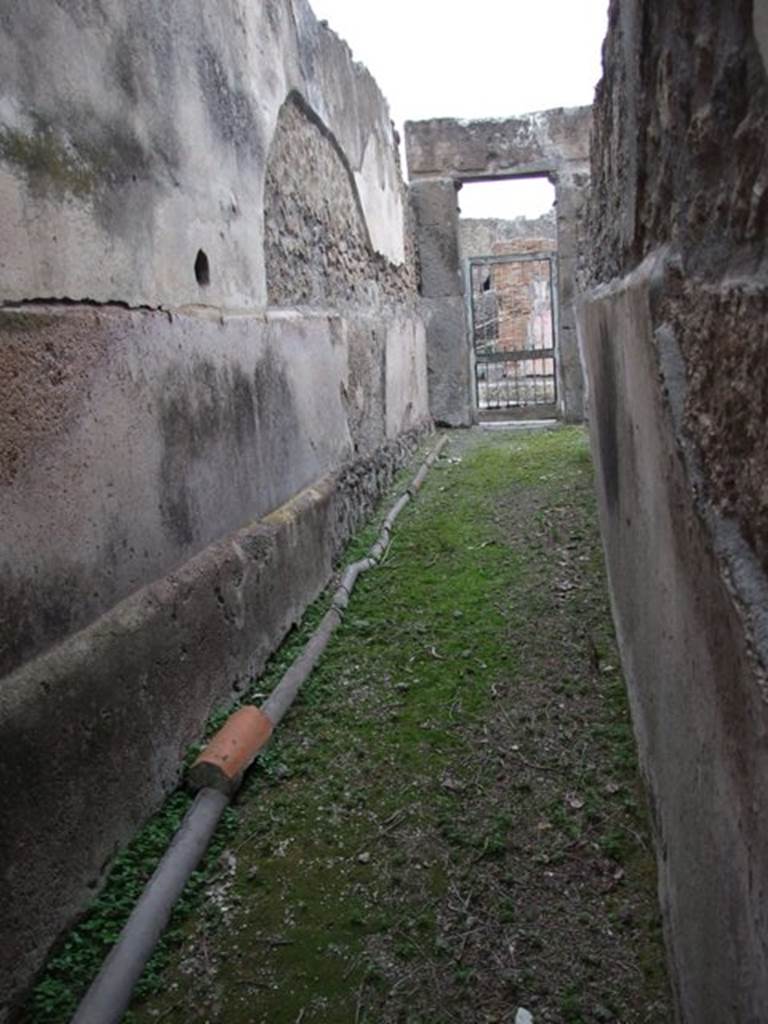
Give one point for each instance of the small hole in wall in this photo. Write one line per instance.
(202, 269)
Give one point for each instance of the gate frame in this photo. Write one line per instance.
(537, 257)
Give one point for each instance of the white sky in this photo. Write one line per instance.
(492, 58)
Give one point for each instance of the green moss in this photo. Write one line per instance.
(14, 320)
(99, 160)
(43, 157)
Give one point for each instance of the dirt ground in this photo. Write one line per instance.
(450, 825)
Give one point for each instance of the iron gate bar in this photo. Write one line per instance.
(526, 257)
(539, 386)
(519, 355)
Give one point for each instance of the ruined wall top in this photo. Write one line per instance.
(680, 159)
(529, 144)
(119, 164)
(486, 236)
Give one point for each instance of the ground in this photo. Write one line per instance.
(450, 824)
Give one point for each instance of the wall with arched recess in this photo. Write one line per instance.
(317, 245)
(211, 359)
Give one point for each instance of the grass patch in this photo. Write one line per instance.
(449, 822)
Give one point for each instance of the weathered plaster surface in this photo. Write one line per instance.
(129, 441)
(405, 384)
(690, 604)
(117, 165)
(673, 332)
(94, 731)
(208, 306)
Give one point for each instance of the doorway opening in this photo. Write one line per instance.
(509, 249)
(511, 301)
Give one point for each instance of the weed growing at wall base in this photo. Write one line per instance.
(74, 964)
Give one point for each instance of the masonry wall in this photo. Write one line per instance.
(483, 236)
(445, 152)
(674, 333)
(212, 361)
(524, 305)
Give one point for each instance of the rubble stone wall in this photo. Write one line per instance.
(318, 251)
(673, 332)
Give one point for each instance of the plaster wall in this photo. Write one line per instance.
(130, 440)
(405, 383)
(93, 731)
(132, 135)
(673, 333)
(185, 443)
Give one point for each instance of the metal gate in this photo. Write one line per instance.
(512, 313)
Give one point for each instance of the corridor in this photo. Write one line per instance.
(449, 826)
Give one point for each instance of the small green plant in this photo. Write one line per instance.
(571, 1006)
(616, 845)
(73, 966)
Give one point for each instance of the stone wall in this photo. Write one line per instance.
(446, 152)
(449, 359)
(481, 150)
(673, 333)
(212, 360)
(484, 236)
(318, 253)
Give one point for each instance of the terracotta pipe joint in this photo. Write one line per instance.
(232, 750)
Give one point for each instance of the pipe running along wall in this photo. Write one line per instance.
(217, 775)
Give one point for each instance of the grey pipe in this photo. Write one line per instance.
(284, 694)
(109, 996)
(110, 993)
(396, 509)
